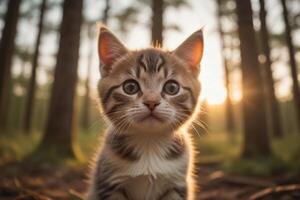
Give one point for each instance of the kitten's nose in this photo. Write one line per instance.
(151, 104)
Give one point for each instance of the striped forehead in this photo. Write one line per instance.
(150, 61)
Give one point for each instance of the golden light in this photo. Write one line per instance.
(214, 93)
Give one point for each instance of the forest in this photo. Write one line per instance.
(247, 132)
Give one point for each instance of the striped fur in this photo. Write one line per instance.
(146, 153)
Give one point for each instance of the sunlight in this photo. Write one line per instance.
(211, 76)
(214, 94)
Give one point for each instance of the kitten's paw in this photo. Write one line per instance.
(173, 197)
(118, 196)
(175, 194)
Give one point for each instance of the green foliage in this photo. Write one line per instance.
(17, 146)
(224, 149)
(215, 148)
(14, 146)
(177, 3)
(257, 167)
(23, 53)
(288, 148)
(128, 17)
(89, 141)
(218, 147)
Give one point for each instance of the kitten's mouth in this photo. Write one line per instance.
(151, 116)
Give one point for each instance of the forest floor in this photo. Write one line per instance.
(48, 181)
(223, 175)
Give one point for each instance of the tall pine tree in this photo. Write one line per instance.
(35, 62)
(256, 140)
(59, 133)
(7, 45)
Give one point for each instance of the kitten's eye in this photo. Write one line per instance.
(131, 87)
(171, 87)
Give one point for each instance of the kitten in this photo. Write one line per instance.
(148, 97)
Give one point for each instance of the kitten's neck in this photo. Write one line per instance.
(132, 146)
(146, 134)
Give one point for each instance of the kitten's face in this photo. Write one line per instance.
(149, 90)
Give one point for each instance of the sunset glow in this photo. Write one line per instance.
(212, 72)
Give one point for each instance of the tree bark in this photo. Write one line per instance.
(32, 83)
(228, 103)
(106, 12)
(256, 140)
(293, 65)
(273, 104)
(7, 46)
(59, 127)
(157, 22)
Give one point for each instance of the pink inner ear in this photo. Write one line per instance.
(110, 48)
(197, 54)
(191, 53)
(191, 50)
(105, 55)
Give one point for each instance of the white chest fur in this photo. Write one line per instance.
(152, 175)
(152, 164)
(153, 159)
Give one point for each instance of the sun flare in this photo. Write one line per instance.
(213, 93)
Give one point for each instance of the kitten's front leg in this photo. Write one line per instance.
(106, 183)
(118, 195)
(176, 193)
(107, 191)
(114, 196)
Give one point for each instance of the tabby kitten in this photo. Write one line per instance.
(148, 96)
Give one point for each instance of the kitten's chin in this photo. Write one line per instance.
(152, 125)
(151, 118)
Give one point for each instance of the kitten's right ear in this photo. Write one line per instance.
(109, 50)
(191, 50)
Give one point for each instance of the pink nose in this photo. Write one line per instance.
(151, 104)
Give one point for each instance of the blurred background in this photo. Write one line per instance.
(247, 132)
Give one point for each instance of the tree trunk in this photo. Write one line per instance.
(59, 127)
(157, 22)
(256, 140)
(273, 104)
(7, 45)
(228, 103)
(32, 83)
(291, 50)
(106, 12)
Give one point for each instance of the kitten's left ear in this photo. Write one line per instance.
(191, 50)
(109, 49)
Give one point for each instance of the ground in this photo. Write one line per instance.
(223, 175)
(49, 181)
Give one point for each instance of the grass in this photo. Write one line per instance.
(89, 143)
(225, 150)
(287, 148)
(16, 145)
(262, 167)
(219, 147)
